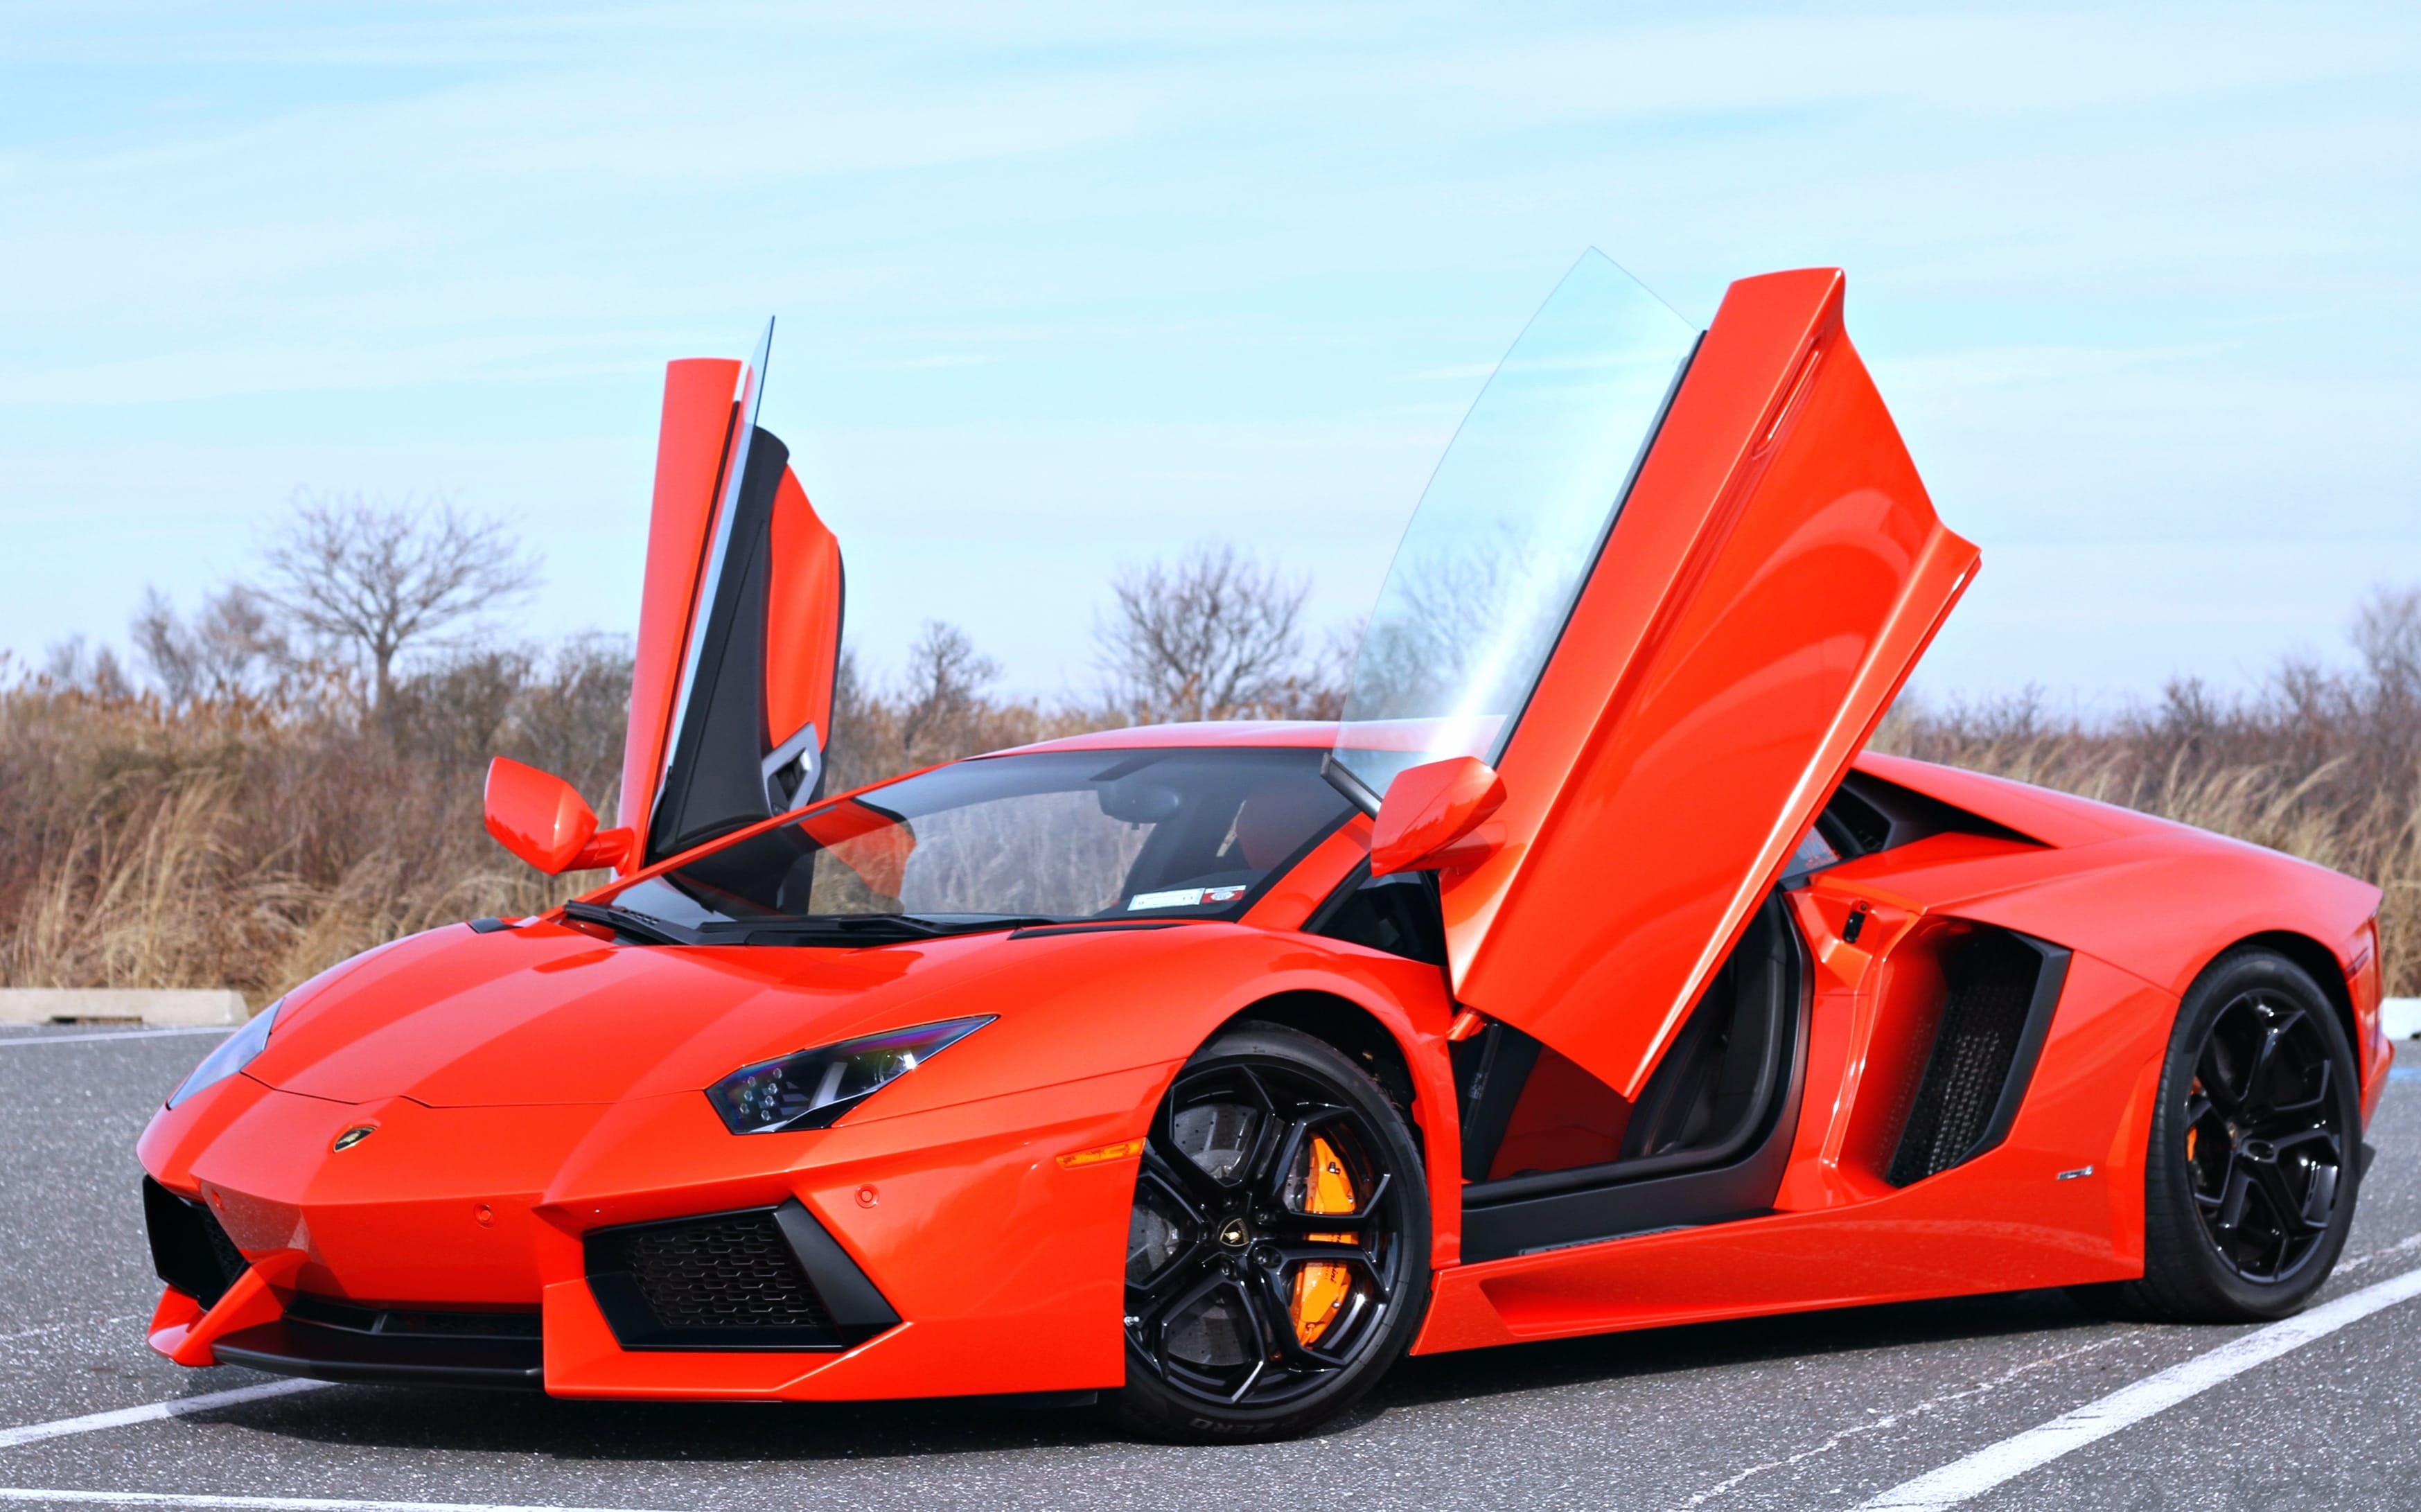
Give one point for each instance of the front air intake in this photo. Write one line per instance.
(763, 1278)
(1999, 990)
(189, 1249)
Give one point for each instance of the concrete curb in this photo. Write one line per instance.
(167, 1005)
(2400, 1016)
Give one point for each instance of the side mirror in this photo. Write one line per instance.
(1432, 816)
(539, 817)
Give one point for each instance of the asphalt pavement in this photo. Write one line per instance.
(1823, 1410)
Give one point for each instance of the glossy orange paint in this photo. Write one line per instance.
(1765, 590)
(692, 442)
(542, 819)
(1773, 578)
(1432, 816)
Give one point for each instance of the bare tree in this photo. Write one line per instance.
(74, 666)
(1215, 634)
(379, 579)
(2387, 633)
(947, 678)
(229, 647)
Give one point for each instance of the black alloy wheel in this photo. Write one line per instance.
(1277, 1258)
(2256, 1151)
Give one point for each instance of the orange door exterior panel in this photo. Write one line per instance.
(692, 440)
(1776, 572)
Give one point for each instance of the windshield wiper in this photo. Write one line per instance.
(625, 921)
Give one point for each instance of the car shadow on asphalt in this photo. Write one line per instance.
(690, 1433)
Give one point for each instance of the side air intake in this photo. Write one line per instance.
(2000, 989)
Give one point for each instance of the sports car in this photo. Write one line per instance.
(1588, 974)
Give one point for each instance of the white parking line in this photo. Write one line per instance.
(276, 1504)
(151, 1412)
(2014, 1457)
(114, 1034)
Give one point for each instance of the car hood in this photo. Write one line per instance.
(546, 1014)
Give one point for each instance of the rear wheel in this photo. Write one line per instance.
(2250, 1179)
(1277, 1258)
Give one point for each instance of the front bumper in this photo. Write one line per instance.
(951, 1253)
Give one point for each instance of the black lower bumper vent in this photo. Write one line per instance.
(189, 1249)
(2001, 989)
(763, 1278)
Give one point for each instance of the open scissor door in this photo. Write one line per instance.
(1665, 584)
(731, 696)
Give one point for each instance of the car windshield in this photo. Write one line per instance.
(1061, 836)
(1510, 525)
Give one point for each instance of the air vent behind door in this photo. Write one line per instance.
(2000, 989)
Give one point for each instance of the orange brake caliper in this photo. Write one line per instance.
(1320, 1287)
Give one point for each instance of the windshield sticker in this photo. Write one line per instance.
(1184, 897)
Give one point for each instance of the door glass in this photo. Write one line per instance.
(1510, 527)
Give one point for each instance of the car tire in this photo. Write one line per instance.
(1278, 1253)
(2254, 1158)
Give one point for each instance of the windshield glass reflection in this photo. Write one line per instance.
(1169, 832)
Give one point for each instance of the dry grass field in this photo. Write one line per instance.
(249, 839)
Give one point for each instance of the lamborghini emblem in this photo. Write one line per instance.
(1232, 1234)
(353, 1136)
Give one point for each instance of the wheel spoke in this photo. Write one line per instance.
(1292, 1255)
(2298, 1114)
(1286, 1222)
(2210, 1075)
(1265, 1133)
(2321, 1197)
(2265, 1061)
(1192, 1188)
(1274, 1310)
(1290, 1145)
(1152, 1320)
(2232, 1192)
(2278, 1194)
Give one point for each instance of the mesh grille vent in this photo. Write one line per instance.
(1991, 979)
(733, 1272)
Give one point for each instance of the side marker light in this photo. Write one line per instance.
(1124, 1150)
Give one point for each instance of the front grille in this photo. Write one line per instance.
(189, 1249)
(1993, 1015)
(409, 1323)
(766, 1278)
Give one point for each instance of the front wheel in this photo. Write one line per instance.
(2250, 1179)
(1278, 1253)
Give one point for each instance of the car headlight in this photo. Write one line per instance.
(811, 1089)
(234, 1053)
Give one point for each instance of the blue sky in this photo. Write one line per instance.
(1064, 288)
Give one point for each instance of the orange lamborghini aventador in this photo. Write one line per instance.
(1585, 977)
